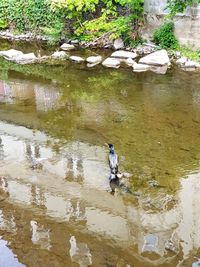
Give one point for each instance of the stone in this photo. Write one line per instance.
(90, 65)
(111, 63)
(124, 54)
(67, 47)
(25, 58)
(74, 42)
(129, 62)
(156, 58)
(197, 65)
(159, 69)
(77, 59)
(94, 59)
(178, 54)
(190, 64)
(59, 54)
(140, 67)
(9, 54)
(181, 61)
(118, 44)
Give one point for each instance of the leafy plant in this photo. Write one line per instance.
(164, 36)
(3, 24)
(179, 6)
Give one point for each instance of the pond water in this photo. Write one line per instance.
(61, 212)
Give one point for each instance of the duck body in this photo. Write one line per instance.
(113, 162)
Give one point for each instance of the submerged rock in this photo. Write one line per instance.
(111, 63)
(67, 47)
(157, 58)
(124, 54)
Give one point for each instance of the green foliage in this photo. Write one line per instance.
(189, 52)
(164, 36)
(3, 24)
(92, 18)
(30, 15)
(85, 19)
(179, 6)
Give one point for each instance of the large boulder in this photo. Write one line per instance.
(111, 63)
(118, 44)
(158, 58)
(67, 47)
(124, 54)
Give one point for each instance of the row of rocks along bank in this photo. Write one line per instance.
(145, 57)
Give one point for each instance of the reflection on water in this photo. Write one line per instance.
(44, 97)
(55, 209)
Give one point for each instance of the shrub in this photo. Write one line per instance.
(164, 36)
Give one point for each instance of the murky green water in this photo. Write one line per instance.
(61, 213)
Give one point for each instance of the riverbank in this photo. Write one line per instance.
(146, 57)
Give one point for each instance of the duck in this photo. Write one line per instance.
(113, 162)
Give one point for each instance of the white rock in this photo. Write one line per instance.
(118, 44)
(140, 67)
(159, 69)
(90, 65)
(124, 54)
(190, 64)
(181, 61)
(77, 59)
(59, 54)
(111, 63)
(156, 58)
(25, 58)
(67, 47)
(94, 59)
(129, 62)
(9, 54)
(178, 54)
(197, 65)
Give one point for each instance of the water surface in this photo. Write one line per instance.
(61, 213)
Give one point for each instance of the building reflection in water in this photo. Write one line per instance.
(80, 253)
(40, 235)
(44, 96)
(130, 225)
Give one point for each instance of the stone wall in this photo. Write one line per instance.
(187, 25)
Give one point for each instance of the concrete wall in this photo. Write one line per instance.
(187, 25)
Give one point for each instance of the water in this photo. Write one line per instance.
(61, 213)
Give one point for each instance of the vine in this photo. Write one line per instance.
(179, 6)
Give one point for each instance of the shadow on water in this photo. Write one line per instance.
(54, 206)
